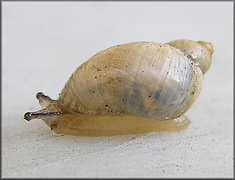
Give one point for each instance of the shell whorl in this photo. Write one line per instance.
(154, 80)
(200, 52)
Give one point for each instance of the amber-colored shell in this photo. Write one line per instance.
(154, 80)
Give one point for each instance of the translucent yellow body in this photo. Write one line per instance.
(110, 125)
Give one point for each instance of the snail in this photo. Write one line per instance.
(134, 87)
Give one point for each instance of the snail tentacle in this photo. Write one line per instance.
(44, 100)
(51, 107)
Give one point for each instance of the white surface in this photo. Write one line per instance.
(43, 43)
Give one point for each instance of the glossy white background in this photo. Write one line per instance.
(44, 42)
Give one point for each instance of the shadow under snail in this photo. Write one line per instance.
(130, 88)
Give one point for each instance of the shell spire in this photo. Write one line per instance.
(199, 51)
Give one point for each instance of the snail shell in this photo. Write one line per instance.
(145, 79)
